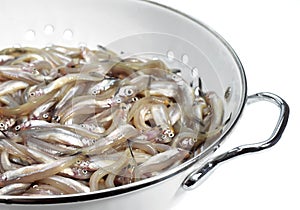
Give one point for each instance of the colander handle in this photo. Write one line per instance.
(198, 176)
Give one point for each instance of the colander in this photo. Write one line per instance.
(144, 29)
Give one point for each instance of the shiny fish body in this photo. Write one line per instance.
(76, 120)
(35, 172)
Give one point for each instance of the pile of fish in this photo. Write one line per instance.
(76, 120)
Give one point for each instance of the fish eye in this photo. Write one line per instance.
(135, 99)
(78, 161)
(45, 116)
(2, 125)
(118, 100)
(32, 94)
(95, 92)
(18, 127)
(171, 135)
(84, 171)
(129, 92)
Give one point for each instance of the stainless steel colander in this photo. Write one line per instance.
(144, 29)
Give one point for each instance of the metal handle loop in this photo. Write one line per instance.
(196, 177)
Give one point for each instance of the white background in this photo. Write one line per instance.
(265, 34)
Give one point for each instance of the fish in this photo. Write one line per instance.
(78, 120)
(29, 174)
